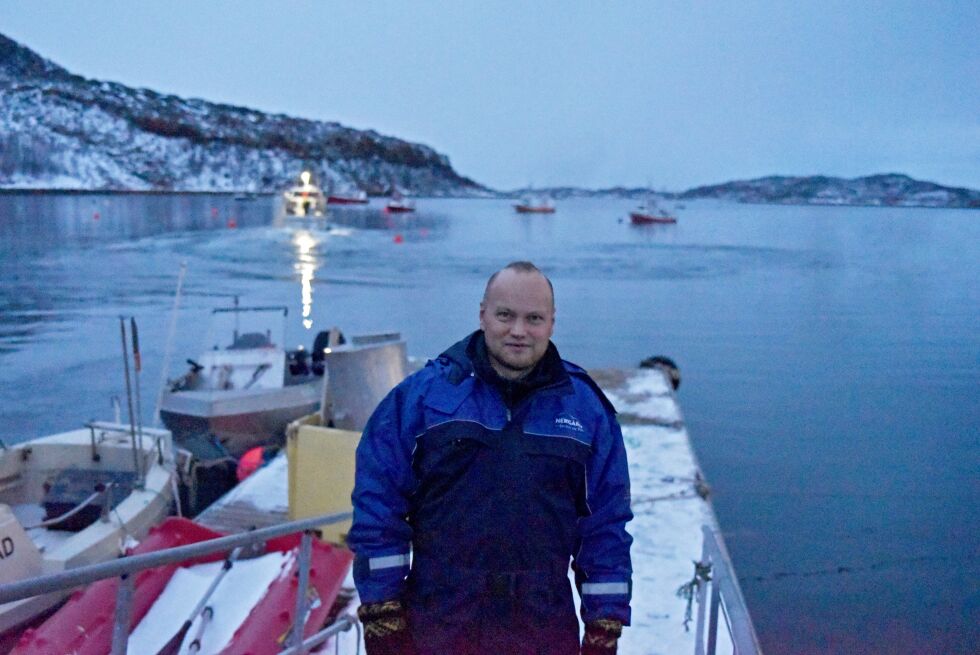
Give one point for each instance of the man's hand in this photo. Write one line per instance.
(386, 629)
(601, 637)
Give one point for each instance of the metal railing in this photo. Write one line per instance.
(125, 567)
(727, 605)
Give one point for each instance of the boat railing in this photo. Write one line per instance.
(125, 567)
(729, 627)
(138, 432)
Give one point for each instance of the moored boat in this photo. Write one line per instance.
(535, 204)
(71, 499)
(247, 391)
(399, 204)
(650, 213)
(347, 197)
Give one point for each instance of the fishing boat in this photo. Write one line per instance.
(347, 197)
(246, 390)
(249, 609)
(650, 213)
(535, 204)
(399, 204)
(304, 199)
(73, 498)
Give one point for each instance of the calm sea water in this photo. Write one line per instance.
(831, 359)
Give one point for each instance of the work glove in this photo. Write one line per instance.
(601, 636)
(386, 629)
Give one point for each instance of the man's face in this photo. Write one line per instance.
(518, 319)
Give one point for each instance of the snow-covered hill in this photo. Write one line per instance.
(62, 131)
(885, 190)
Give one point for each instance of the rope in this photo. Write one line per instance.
(687, 591)
(70, 513)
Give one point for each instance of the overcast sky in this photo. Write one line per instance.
(595, 94)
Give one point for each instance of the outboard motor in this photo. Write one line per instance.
(326, 339)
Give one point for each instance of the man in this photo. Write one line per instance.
(478, 479)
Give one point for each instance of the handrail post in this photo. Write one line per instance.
(303, 570)
(124, 602)
(106, 502)
(713, 618)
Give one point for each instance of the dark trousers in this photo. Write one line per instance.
(479, 613)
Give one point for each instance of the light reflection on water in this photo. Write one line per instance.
(829, 356)
(306, 265)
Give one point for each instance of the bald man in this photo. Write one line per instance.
(480, 480)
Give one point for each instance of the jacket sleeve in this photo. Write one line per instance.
(383, 482)
(602, 564)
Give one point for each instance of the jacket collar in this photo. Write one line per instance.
(469, 356)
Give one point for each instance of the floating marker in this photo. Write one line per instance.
(232, 223)
(214, 211)
(399, 238)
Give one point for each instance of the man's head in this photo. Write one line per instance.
(517, 315)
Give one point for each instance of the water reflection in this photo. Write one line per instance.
(306, 264)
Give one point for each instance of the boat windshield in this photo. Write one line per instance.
(238, 328)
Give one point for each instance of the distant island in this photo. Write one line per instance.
(887, 190)
(883, 190)
(61, 131)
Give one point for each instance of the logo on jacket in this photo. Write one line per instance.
(569, 422)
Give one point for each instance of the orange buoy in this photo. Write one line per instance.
(249, 463)
(232, 223)
(399, 238)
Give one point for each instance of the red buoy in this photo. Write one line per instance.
(232, 223)
(249, 463)
(399, 238)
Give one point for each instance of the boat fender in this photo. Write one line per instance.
(667, 365)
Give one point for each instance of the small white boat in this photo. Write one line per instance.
(75, 498)
(305, 199)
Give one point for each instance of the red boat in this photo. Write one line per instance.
(643, 218)
(358, 197)
(650, 213)
(535, 204)
(398, 204)
(534, 209)
(83, 626)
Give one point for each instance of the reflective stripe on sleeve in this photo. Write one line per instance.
(605, 588)
(388, 562)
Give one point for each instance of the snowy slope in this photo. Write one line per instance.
(59, 130)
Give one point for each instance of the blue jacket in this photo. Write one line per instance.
(455, 483)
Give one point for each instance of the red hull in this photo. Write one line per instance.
(344, 200)
(648, 219)
(84, 625)
(526, 209)
(399, 210)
